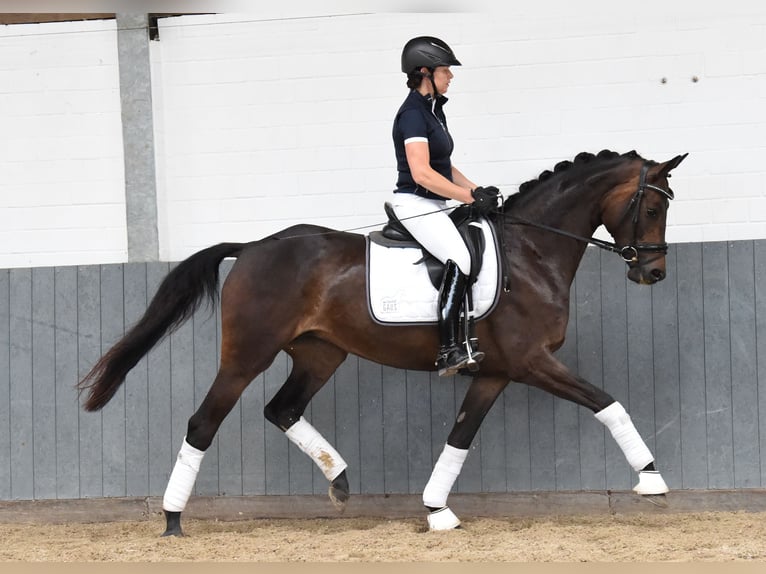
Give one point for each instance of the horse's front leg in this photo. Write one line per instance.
(549, 374)
(480, 397)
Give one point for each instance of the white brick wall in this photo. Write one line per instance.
(262, 122)
(268, 123)
(62, 198)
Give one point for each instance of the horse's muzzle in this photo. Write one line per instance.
(647, 274)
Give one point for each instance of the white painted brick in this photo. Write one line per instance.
(265, 121)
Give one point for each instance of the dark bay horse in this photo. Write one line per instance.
(303, 291)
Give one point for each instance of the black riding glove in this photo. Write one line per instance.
(485, 199)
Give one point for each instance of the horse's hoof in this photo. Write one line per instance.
(443, 519)
(173, 520)
(659, 500)
(339, 491)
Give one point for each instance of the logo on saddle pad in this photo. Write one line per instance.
(400, 290)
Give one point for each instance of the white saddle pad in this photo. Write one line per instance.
(399, 291)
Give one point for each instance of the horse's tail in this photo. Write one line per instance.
(179, 295)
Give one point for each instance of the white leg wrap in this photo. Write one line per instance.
(624, 432)
(308, 439)
(444, 475)
(182, 478)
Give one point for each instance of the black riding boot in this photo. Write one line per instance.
(453, 355)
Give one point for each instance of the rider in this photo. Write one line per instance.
(427, 179)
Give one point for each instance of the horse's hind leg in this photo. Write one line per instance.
(314, 361)
(229, 384)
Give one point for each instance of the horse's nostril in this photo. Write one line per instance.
(658, 274)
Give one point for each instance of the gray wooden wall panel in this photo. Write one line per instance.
(718, 365)
(44, 382)
(21, 391)
(760, 316)
(114, 414)
(589, 365)
(161, 448)
(686, 357)
(5, 385)
(67, 400)
(691, 366)
(667, 418)
(88, 352)
(395, 446)
(136, 388)
(616, 346)
(744, 381)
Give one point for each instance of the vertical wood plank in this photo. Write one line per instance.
(371, 459)
(203, 359)
(616, 345)
(419, 455)
(253, 455)
(182, 388)
(67, 400)
(442, 409)
(493, 463)
(89, 351)
(303, 472)
(470, 477)
(21, 392)
(542, 440)
(641, 362)
(277, 449)
(666, 376)
(566, 415)
(718, 365)
(517, 438)
(112, 329)
(590, 367)
(44, 382)
(347, 417)
(321, 413)
(744, 376)
(395, 447)
(760, 315)
(136, 389)
(5, 385)
(163, 443)
(691, 366)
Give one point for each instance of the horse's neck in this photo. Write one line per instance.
(575, 211)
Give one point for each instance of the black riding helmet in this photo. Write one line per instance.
(427, 51)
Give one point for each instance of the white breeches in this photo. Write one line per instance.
(432, 228)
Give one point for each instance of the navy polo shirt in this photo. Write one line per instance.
(421, 119)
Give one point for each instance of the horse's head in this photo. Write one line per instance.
(635, 213)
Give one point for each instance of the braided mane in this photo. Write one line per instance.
(580, 159)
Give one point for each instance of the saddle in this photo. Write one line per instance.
(394, 234)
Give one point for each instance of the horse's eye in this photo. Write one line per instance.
(651, 212)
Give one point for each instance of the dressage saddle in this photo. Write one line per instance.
(465, 218)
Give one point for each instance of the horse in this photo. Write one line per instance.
(302, 290)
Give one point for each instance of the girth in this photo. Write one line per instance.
(394, 234)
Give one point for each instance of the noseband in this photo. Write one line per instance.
(629, 253)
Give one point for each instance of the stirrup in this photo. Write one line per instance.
(451, 360)
(474, 355)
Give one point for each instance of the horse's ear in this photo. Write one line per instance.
(665, 168)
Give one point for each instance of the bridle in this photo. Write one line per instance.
(630, 252)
